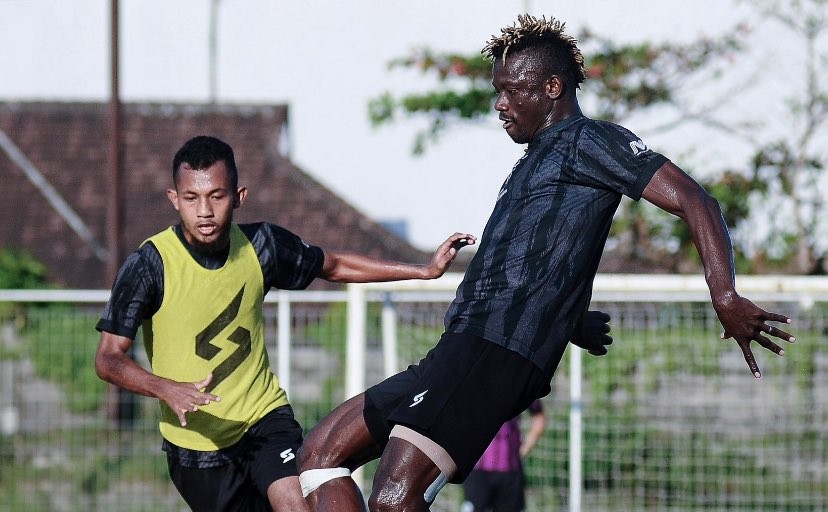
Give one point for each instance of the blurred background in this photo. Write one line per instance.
(368, 125)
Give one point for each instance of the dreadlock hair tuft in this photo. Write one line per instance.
(559, 51)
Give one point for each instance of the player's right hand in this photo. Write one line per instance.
(445, 254)
(184, 397)
(592, 333)
(746, 322)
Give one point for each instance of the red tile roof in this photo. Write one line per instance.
(67, 144)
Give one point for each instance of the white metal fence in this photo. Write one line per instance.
(671, 419)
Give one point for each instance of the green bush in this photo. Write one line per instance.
(19, 270)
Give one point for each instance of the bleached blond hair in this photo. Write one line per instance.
(558, 51)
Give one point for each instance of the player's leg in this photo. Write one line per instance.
(285, 495)
(411, 472)
(339, 444)
(271, 445)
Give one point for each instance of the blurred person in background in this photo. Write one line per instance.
(498, 481)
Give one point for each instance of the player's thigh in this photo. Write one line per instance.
(464, 395)
(225, 488)
(270, 448)
(340, 439)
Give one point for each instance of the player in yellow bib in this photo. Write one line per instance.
(197, 289)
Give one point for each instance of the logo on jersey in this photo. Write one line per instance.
(287, 455)
(638, 147)
(207, 350)
(418, 398)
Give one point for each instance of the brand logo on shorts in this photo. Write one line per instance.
(287, 455)
(418, 398)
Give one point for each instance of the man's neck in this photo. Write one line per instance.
(212, 258)
(563, 110)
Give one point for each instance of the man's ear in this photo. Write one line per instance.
(554, 87)
(172, 195)
(241, 194)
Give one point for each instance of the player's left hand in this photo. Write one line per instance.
(592, 333)
(744, 321)
(445, 254)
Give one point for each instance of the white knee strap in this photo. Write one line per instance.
(313, 478)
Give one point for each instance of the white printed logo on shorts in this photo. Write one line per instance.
(418, 398)
(287, 455)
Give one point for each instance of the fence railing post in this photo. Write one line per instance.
(575, 431)
(355, 339)
(389, 336)
(355, 352)
(283, 340)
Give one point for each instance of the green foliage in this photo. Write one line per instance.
(19, 270)
(464, 94)
(627, 78)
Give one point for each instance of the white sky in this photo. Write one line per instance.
(325, 60)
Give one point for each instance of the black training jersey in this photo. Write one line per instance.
(531, 278)
(287, 262)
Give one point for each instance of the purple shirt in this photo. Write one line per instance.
(503, 453)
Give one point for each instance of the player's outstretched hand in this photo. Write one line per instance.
(445, 254)
(184, 397)
(744, 321)
(592, 333)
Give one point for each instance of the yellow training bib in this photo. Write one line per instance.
(210, 321)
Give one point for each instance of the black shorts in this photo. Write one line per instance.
(237, 478)
(497, 491)
(458, 396)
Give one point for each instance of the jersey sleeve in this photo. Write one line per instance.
(613, 157)
(288, 262)
(136, 294)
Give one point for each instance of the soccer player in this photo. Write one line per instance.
(525, 290)
(197, 289)
(497, 482)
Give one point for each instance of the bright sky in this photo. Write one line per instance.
(325, 60)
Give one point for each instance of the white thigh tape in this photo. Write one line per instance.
(313, 478)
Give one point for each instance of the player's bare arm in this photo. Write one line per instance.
(348, 267)
(672, 190)
(114, 365)
(592, 333)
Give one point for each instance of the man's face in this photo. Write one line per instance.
(205, 200)
(522, 100)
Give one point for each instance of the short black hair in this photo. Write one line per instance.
(558, 52)
(203, 151)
